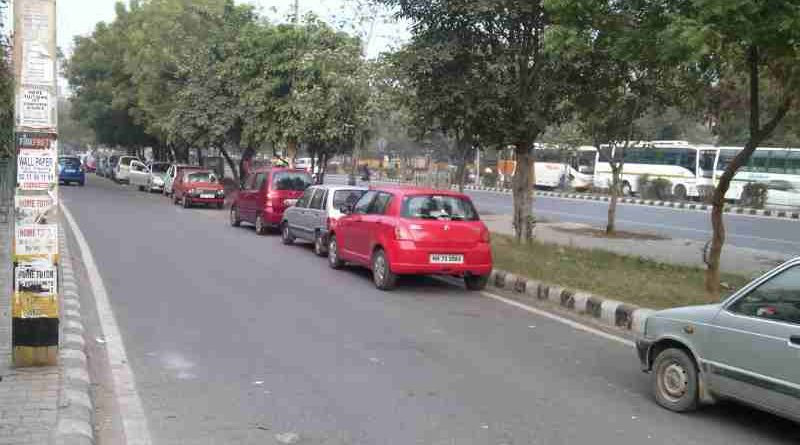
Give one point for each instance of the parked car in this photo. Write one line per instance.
(173, 172)
(413, 231)
(198, 187)
(70, 170)
(746, 348)
(123, 168)
(316, 212)
(148, 177)
(267, 193)
(112, 167)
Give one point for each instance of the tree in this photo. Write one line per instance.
(529, 82)
(741, 40)
(6, 91)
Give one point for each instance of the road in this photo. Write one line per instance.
(753, 232)
(234, 338)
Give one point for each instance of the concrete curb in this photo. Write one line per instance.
(612, 313)
(75, 409)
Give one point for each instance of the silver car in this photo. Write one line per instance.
(746, 348)
(310, 218)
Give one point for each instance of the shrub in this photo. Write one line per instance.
(655, 188)
(754, 195)
(489, 179)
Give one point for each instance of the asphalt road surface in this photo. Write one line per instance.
(753, 232)
(234, 339)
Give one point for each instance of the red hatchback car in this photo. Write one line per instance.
(198, 187)
(413, 231)
(268, 191)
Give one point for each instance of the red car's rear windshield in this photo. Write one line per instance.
(446, 207)
(294, 181)
(201, 177)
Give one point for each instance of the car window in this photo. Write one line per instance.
(290, 180)
(159, 167)
(317, 200)
(776, 299)
(439, 207)
(306, 198)
(379, 204)
(346, 197)
(363, 204)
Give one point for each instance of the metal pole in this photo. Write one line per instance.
(477, 166)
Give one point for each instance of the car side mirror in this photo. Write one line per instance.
(346, 209)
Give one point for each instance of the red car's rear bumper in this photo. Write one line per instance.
(408, 259)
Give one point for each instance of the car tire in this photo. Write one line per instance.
(680, 193)
(675, 380)
(186, 202)
(319, 245)
(382, 274)
(261, 229)
(141, 188)
(476, 282)
(235, 220)
(627, 190)
(333, 254)
(286, 234)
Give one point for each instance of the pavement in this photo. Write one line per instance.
(753, 232)
(735, 259)
(235, 338)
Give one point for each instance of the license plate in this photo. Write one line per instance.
(207, 196)
(446, 258)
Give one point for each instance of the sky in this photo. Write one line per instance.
(78, 17)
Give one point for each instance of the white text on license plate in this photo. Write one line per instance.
(207, 196)
(445, 258)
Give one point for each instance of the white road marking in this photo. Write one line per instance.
(134, 422)
(562, 320)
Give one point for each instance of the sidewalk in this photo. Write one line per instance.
(737, 260)
(28, 397)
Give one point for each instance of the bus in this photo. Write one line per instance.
(778, 168)
(688, 167)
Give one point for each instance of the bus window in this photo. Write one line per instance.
(758, 162)
(793, 163)
(777, 161)
(725, 158)
(690, 161)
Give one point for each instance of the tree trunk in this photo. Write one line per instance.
(615, 192)
(323, 167)
(231, 164)
(522, 188)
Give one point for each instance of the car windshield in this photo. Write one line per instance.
(346, 197)
(296, 181)
(70, 162)
(159, 168)
(439, 207)
(201, 177)
(126, 160)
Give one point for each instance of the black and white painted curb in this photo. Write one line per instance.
(608, 312)
(75, 409)
(700, 207)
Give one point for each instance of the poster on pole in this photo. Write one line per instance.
(37, 20)
(36, 169)
(36, 108)
(39, 141)
(39, 240)
(36, 209)
(35, 290)
(38, 65)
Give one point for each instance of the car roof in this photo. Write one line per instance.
(407, 190)
(268, 169)
(340, 187)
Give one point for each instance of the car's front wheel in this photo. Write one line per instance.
(476, 282)
(675, 381)
(381, 271)
(333, 254)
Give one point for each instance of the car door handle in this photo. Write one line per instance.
(794, 341)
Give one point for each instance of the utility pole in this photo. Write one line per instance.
(359, 139)
(477, 166)
(34, 298)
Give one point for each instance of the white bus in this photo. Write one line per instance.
(778, 168)
(563, 167)
(688, 167)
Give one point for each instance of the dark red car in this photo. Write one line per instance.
(193, 187)
(267, 192)
(413, 231)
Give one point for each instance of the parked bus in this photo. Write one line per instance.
(688, 167)
(778, 168)
(555, 168)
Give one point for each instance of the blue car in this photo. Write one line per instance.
(70, 170)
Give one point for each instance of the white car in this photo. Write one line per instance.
(123, 168)
(148, 178)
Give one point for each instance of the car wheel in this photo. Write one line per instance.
(333, 254)
(235, 220)
(319, 245)
(675, 380)
(627, 190)
(680, 193)
(286, 234)
(261, 229)
(186, 202)
(141, 188)
(381, 271)
(476, 282)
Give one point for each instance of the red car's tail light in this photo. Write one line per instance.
(270, 199)
(401, 233)
(486, 236)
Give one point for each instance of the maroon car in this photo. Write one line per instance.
(267, 192)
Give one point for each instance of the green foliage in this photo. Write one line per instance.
(655, 188)
(6, 91)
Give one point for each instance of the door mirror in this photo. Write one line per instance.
(346, 209)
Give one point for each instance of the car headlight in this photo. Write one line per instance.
(220, 192)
